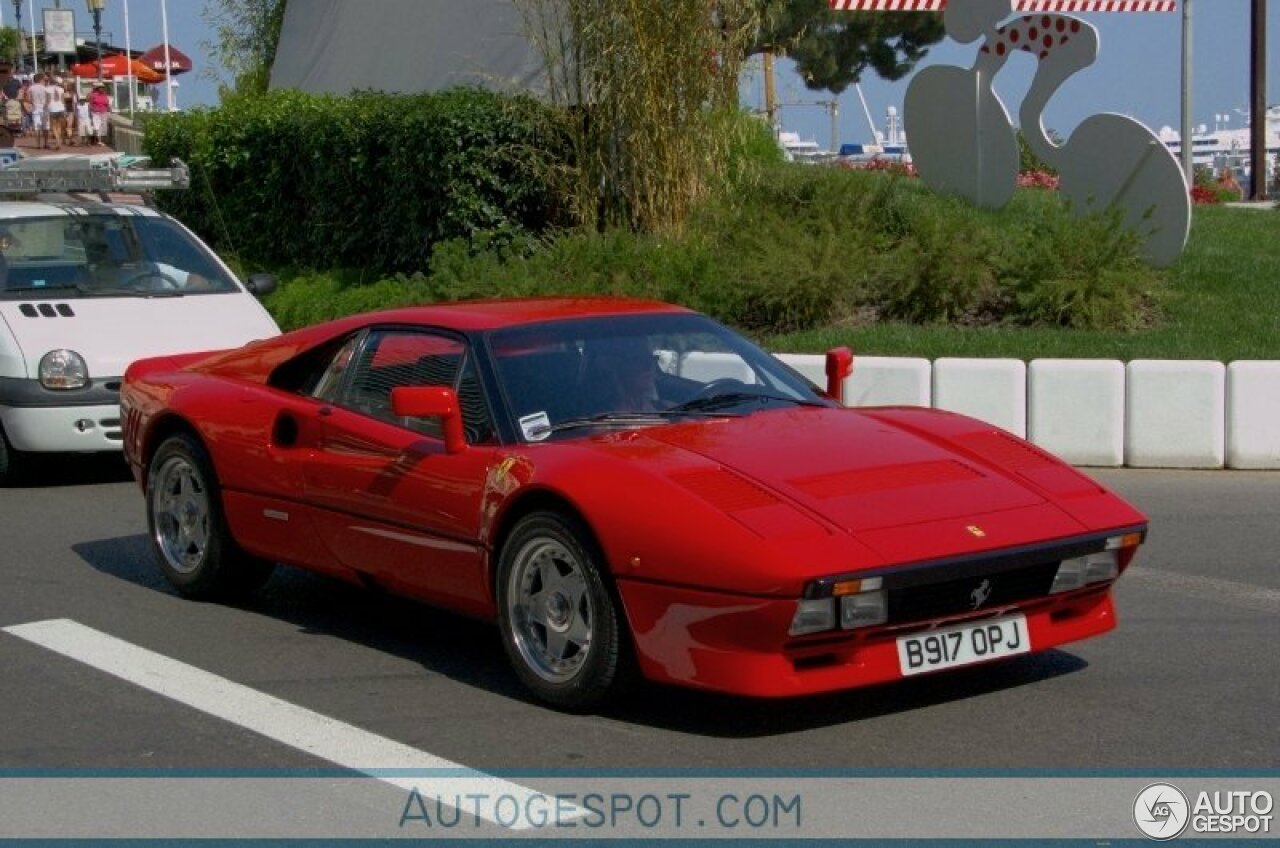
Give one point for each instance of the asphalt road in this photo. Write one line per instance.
(1191, 678)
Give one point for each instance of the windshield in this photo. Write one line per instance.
(572, 376)
(104, 255)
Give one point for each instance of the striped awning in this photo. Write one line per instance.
(1019, 5)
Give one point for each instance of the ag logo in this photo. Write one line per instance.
(1161, 812)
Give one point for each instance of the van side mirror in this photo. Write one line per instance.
(260, 285)
(433, 402)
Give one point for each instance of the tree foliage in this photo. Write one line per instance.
(9, 38)
(832, 49)
(247, 33)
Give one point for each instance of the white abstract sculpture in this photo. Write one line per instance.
(962, 141)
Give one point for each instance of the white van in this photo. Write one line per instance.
(88, 286)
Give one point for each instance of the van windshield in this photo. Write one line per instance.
(104, 255)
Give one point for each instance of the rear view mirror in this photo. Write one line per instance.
(433, 402)
(839, 367)
(261, 284)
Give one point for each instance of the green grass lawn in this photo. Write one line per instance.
(1221, 301)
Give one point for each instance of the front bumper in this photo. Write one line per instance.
(42, 420)
(738, 644)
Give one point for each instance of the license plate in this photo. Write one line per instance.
(957, 646)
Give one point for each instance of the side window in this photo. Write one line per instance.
(329, 381)
(317, 372)
(390, 359)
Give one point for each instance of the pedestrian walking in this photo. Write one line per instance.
(99, 109)
(84, 123)
(57, 112)
(40, 109)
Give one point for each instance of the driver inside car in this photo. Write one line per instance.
(110, 266)
(621, 375)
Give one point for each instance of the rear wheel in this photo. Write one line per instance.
(560, 625)
(189, 530)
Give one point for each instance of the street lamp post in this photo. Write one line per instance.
(95, 8)
(17, 15)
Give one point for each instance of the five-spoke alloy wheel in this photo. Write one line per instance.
(560, 625)
(188, 530)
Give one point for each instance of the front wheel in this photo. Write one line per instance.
(8, 461)
(560, 626)
(189, 532)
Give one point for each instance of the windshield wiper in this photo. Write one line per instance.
(116, 291)
(735, 398)
(605, 418)
(77, 287)
(91, 291)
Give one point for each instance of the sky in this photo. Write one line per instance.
(1138, 73)
(187, 29)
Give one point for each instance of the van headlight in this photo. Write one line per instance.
(63, 369)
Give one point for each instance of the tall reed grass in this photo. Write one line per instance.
(642, 86)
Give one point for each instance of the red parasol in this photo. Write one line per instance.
(117, 65)
(154, 59)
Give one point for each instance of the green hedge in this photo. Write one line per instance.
(369, 180)
(801, 247)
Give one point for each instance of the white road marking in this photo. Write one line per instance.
(1230, 592)
(300, 728)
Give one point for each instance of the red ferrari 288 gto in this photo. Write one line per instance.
(628, 489)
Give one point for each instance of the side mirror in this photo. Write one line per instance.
(433, 402)
(261, 284)
(839, 367)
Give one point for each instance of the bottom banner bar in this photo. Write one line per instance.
(452, 805)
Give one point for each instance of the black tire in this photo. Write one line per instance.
(189, 530)
(562, 628)
(10, 461)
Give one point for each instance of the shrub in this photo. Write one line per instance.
(941, 268)
(1073, 272)
(314, 297)
(798, 247)
(369, 180)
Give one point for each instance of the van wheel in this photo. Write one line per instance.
(189, 532)
(10, 461)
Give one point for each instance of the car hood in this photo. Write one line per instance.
(854, 471)
(764, 503)
(110, 333)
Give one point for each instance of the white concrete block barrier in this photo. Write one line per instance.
(876, 380)
(1075, 409)
(706, 367)
(992, 390)
(813, 367)
(889, 381)
(1175, 414)
(1093, 412)
(1253, 415)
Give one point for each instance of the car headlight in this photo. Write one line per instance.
(860, 603)
(1100, 567)
(63, 369)
(1084, 570)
